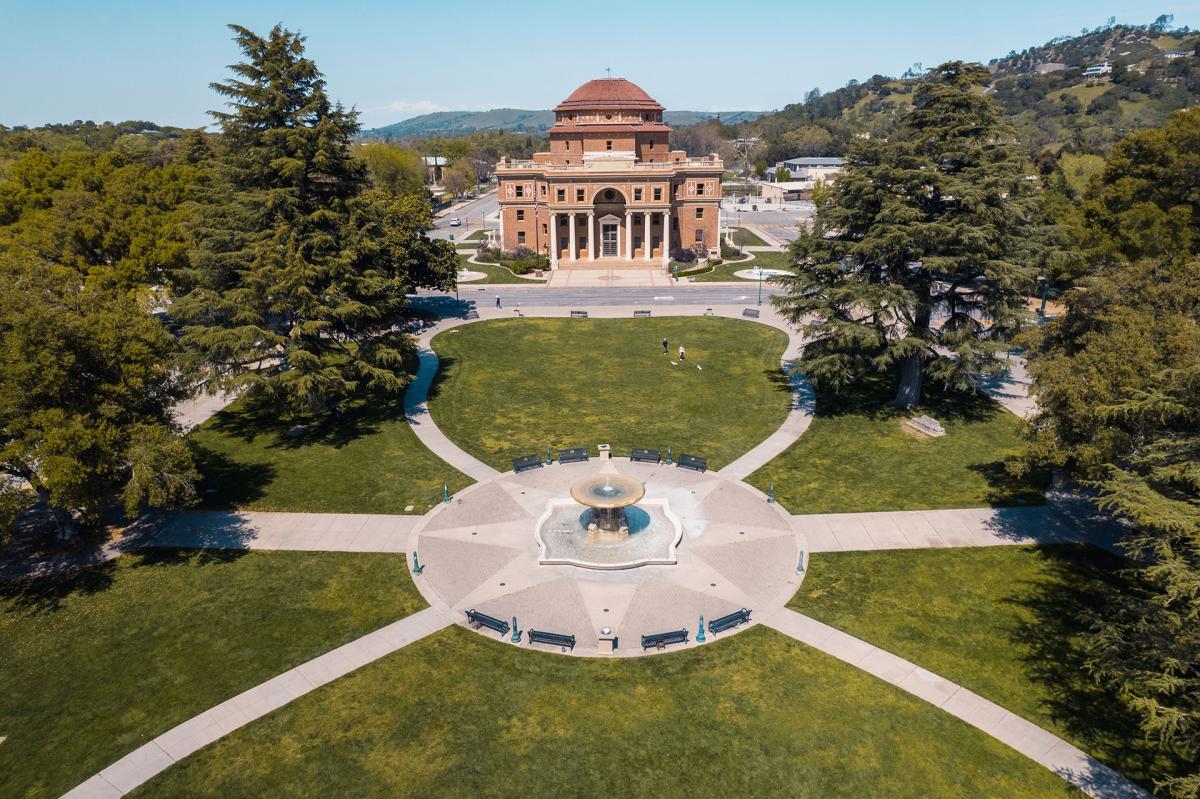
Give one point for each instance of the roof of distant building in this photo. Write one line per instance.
(814, 161)
(434, 160)
(609, 93)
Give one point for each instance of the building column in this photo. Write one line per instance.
(501, 229)
(666, 238)
(553, 240)
(571, 225)
(592, 235)
(628, 236)
(646, 251)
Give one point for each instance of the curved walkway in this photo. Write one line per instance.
(1044, 748)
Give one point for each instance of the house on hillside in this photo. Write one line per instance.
(434, 165)
(1098, 70)
(1174, 54)
(1048, 67)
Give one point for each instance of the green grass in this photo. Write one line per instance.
(725, 272)
(478, 235)
(745, 238)
(855, 457)
(495, 274)
(369, 461)
(515, 386)
(455, 715)
(1001, 621)
(98, 661)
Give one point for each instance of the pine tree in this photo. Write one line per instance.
(288, 299)
(921, 259)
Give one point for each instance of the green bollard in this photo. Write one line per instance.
(417, 567)
(516, 634)
(549, 460)
(668, 456)
(771, 494)
(445, 493)
(800, 564)
(700, 632)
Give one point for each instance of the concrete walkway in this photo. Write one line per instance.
(1080, 769)
(199, 731)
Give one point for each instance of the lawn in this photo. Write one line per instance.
(1001, 621)
(725, 271)
(495, 274)
(478, 235)
(100, 660)
(758, 715)
(745, 238)
(369, 461)
(855, 456)
(516, 386)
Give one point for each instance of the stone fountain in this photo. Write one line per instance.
(608, 495)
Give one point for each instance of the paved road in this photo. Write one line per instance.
(515, 295)
(472, 214)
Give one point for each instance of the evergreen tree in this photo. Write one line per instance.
(920, 259)
(86, 390)
(288, 298)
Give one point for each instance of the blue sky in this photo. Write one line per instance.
(123, 59)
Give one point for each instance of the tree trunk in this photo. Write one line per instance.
(62, 518)
(909, 393)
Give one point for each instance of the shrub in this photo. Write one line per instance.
(488, 254)
(728, 251)
(521, 253)
(684, 255)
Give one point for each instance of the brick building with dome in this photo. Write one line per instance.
(610, 192)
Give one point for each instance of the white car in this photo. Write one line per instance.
(455, 222)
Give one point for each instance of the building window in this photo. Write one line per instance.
(520, 190)
(637, 242)
(568, 143)
(699, 235)
(637, 195)
(542, 189)
(562, 195)
(520, 215)
(637, 219)
(562, 243)
(520, 237)
(608, 195)
(544, 228)
(562, 221)
(582, 243)
(608, 144)
(656, 219)
(699, 213)
(657, 194)
(699, 189)
(579, 195)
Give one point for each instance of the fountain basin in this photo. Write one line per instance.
(651, 538)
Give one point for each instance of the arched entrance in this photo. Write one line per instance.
(611, 223)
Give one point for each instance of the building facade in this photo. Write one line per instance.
(610, 190)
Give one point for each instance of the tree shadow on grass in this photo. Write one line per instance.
(362, 416)
(872, 396)
(45, 593)
(180, 556)
(1007, 487)
(227, 483)
(1095, 717)
(445, 365)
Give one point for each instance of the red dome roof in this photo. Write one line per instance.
(609, 93)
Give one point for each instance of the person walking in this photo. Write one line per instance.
(682, 352)
(497, 301)
(664, 346)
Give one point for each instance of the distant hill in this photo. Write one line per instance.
(450, 123)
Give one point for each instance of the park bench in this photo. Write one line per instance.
(692, 462)
(471, 314)
(708, 312)
(579, 315)
(727, 622)
(483, 620)
(643, 314)
(751, 313)
(554, 639)
(572, 455)
(524, 462)
(660, 640)
(645, 455)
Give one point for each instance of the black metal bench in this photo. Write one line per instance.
(572, 455)
(645, 455)
(750, 312)
(660, 640)
(641, 313)
(526, 462)
(471, 314)
(483, 620)
(579, 315)
(727, 622)
(554, 639)
(692, 462)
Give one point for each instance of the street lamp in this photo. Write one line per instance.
(758, 271)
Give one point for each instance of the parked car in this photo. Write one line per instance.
(455, 222)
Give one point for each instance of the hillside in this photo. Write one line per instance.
(1042, 91)
(449, 123)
